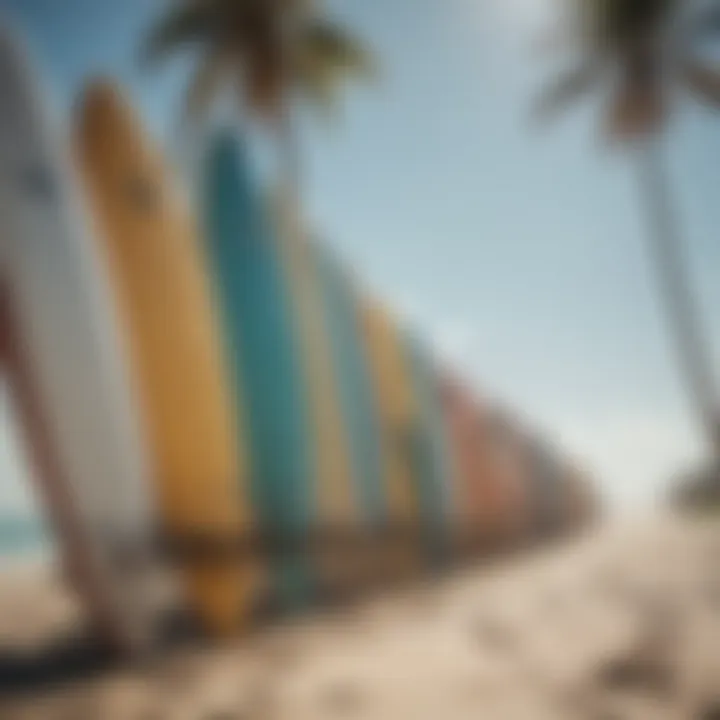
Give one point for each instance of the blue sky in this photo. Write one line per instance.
(518, 251)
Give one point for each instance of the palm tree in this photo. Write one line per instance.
(268, 53)
(637, 52)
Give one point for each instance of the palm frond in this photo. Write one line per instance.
(328, 44)
(703, 82)
(636, 109)
(620, 23)
(185, 24)
(314, 58)
(566, 89)
(705, 23)
(264, 81)
(213, 70)
(325, 59)
(320, 87)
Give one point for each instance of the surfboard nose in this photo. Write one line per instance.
(224, 157)
(100, 97)
(106, 121)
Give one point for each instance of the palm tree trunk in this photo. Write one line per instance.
(683, 318)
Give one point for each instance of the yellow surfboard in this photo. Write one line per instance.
(396, 406)
(174, 340)
(336, 501)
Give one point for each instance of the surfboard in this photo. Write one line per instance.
(355, 383)
(469, 465)
(173, 333)
(487, 468)
(66, 366)
(359, 410)
(393, 396)
(545, 477)
(430, 452)
(515, 500)
(265, 358)
(336, 514)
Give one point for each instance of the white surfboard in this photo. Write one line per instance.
(66, 368)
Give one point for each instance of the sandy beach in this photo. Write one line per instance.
(623, 623)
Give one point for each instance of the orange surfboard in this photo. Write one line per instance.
(171, 323)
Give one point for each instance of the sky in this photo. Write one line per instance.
(518, 251)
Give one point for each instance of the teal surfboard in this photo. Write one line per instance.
(355, 388)
(429, 451)
(264, 352)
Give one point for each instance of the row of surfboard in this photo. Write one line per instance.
(222, 388)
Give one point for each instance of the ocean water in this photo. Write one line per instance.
(22, 530)
(22, 537)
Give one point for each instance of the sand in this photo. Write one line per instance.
(623, 623)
